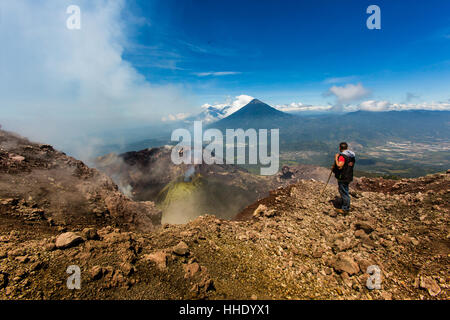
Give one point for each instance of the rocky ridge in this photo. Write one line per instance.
(292, 246)
(39, 183)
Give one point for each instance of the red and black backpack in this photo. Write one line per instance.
(346, 173)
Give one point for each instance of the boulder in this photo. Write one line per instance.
(181, 249)
(191, 269)
(96, 272)
(159, 258)
(345, 263)
(49, 246)
(16, 158)
(364, 225)
(343, 245)
(262, 210)
(67, 240)
(364, 264)
(360, 234)
(23, 259)
(318, 252)
(431, 285)
(127, 268)
(3, 280)
(116, 237)
(90, 234)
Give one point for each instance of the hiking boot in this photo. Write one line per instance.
(343, 212)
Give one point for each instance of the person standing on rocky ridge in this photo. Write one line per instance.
(344, 162)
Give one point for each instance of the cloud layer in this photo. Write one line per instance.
(377, 106)
(231, 106)
(216, 73)
(214, 112)
(348, 93)
(58, 84)
(300, 107)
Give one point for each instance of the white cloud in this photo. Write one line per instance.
(230, 107)
(175, 117)
(238, 103)
(374, 105)
(300, 107)
(348, 93)
(213, 112)
(216, 73)
(339, 79)
(58, 84)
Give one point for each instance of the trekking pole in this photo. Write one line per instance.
(329, 177)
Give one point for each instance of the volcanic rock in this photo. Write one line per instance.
(90, 234)
(181, 249)
(291, 255)
(364, 225)
(67, 240)
(96, 272)
(345, 263)
(3, 280)
(159, 258)
(431, 285)
(191, 269)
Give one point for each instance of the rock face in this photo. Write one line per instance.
(42, 184)
(301, 252)
(67, 240)
(152, 176)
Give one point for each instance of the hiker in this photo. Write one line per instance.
(344, 162)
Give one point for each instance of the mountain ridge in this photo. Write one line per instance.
(255, 114)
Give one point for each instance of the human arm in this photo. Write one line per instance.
(339, 160)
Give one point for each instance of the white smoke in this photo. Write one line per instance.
(189, 172)
(58, 84)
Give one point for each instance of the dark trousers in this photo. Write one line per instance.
(343, 191)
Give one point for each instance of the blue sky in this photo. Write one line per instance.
(286, 51)
(134, 63)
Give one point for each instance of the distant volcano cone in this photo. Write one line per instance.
(255, 114)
